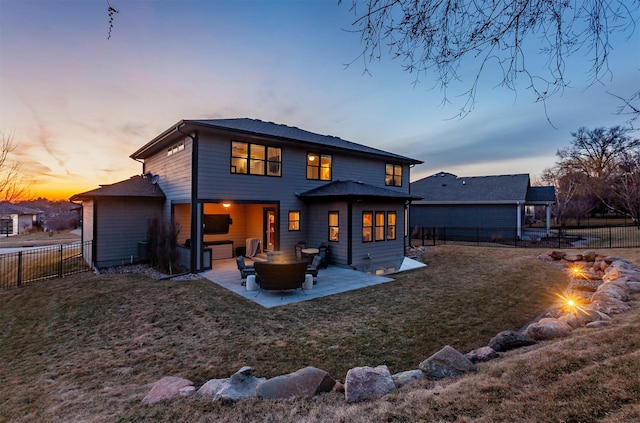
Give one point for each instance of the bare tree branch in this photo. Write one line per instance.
(438, 37)
(12, 186)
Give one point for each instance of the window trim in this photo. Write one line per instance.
(297, 221)
(333, 237)
(319, 167)
(376, 226)
(393, 175)
(394, 226)
(175, 149)
(369, 226)
(267, 161)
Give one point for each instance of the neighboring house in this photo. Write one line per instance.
(15, 219)
(484, 203)
(233, 183)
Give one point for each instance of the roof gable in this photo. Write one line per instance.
(140, 186)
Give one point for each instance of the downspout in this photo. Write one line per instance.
(195, 243)
(349, 234)
(519, 220)
(407, 212)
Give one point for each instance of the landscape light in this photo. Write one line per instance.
(570, 303)
(578, 272)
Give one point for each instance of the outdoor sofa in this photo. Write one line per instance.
(280, 276)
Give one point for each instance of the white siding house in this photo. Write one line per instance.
(15, 219)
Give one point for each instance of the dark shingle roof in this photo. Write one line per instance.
(141, 186)
(273, 130)
(541, 195)
(346, 189)
(446, 188)
(8, 208)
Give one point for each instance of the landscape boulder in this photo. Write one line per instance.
(548, 328)
(404, 378)
(482, 354)
(582, 316)
(166, 388)
(589, 256)
(211, 388)
(367, 382)
(587, 285)
(509, 340)
(572, 257)
(610, 306)
(447, 362)
(556, 255)
(302, 383)
(240, 385)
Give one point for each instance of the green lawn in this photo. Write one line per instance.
(89, 347)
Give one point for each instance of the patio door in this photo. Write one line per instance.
(270, 229)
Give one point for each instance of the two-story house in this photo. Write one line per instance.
(232, 183)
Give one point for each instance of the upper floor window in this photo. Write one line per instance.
(393, 175)
(175, 148)
(255, 159)
(319, 166)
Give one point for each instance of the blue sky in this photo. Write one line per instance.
(79, 104)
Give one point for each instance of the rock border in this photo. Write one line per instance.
(599, 286)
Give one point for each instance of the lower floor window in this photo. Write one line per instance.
(379, 226)
(294, 220)
(391, 225)
(334, 227)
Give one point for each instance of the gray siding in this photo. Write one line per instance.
(377, 250)
(319, 232)
(174, 174)
(498, 215)
(250, 194)
(122, 224)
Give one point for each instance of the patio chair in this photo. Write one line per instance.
(244, 269)
(301, 245)
(312, 269)
(323, 253)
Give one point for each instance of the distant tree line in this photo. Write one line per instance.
(599, 171)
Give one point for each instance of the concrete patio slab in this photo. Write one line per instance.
(332, 280)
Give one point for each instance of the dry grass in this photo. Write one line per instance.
(39, 238)
(88, 348)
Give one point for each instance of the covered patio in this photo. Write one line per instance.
(332, 280)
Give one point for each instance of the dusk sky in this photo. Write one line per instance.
(79, 104)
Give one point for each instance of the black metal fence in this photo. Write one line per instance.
(608, 236)
(37, 264)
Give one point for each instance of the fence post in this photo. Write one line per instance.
(609, 236)
(60, 263)
(19, 268)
